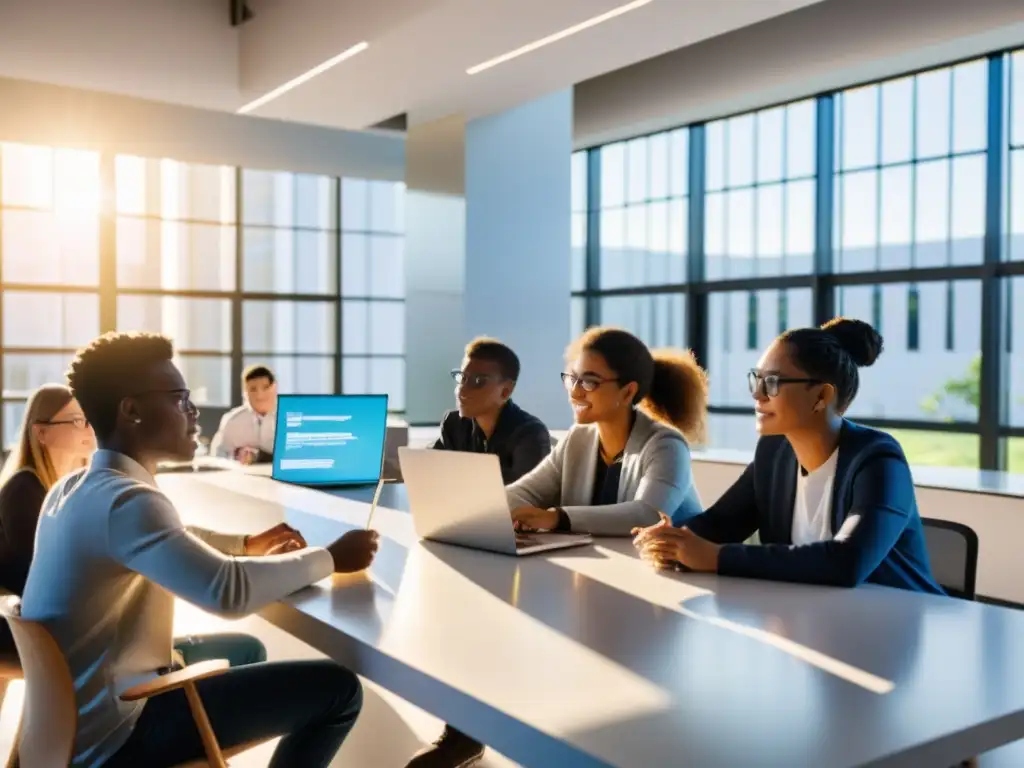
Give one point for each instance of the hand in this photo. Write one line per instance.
(534, 519)
(663, 546)
(246, 455)
(354, 551)
(275, 541)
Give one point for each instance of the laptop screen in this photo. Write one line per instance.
(330, 439)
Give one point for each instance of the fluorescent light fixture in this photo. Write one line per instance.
(305, 77)
(530, 47)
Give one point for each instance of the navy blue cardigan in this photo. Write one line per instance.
(874, 513)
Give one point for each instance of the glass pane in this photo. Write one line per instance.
(72, 320)
(714, 235)
(898, 120)
(578, 266)
(27, 178)
(1017, 99)
(1013, 361)
(208, 377)
(740, 232)
(355, 205)
(355, 327)
(23, 374)
(306, 375)
(355, 255)
(198, 325)
(968, 210)
(578, 169)
(577, 316)
(195, 192)
(1015, 215)
(387, 375)
(657, 146)
(933, 108)
(936, 382)
(859, 109)
(715, 151)
(732, 432)
(13, 414)
(278, 199)
(659, 320)
(175, 255)
(387, 267)
(614, 256)
(41, 247)
(771, 222)
(931, 221)
(276, 327)
(732, 326)
(858, 221)
(1015, 455)
(387, 206)
(613, 175)
(387, 327)
(800, 226)
(289, 261)
(636, 165)
(970, 108)
(740, 161)
(770, 144)
(925, 448)
(895, 227)
(679, 157)
(801, 139)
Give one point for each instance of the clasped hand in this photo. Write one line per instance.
(664, 546)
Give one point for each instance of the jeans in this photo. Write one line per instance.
(311, 704)
(238, 649)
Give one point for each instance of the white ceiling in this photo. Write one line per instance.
(184, 51)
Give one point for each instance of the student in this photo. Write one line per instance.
(832, 501)
(246, 433)
(627, 458)
(112, 553)
(486, 421)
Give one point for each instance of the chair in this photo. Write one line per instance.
(50, 713)
(953, 552)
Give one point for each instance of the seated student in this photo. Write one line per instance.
(246, 433)
(627, 457)
(54, 440)
(832, 501)
(486, 421)
(111, 554)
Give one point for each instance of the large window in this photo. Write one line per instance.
(900, 203)
(236, 266)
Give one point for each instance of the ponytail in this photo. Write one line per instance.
(679, 393)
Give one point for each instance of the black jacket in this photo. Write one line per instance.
(520, 440)
(877, 528)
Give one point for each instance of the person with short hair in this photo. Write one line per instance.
(832, 501)
(485, 421)
(627, 458)
(112, 553)
(246, 433)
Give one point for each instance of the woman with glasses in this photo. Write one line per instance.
(627, 458)
(832, 501)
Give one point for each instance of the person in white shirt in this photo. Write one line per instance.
(112, 554)
(246, 433)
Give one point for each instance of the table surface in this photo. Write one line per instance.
(588, 657)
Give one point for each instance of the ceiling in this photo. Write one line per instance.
(186, 52)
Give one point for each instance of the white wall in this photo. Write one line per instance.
(998, 521)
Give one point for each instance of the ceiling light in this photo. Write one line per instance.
(319, 69)
(529, 47)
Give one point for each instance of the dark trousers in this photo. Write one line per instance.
(311, 704)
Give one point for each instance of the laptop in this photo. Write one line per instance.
(330, 441)
(459, 498)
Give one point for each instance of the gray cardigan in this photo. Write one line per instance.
(656, 477)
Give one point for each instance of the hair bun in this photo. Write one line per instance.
(862, 342)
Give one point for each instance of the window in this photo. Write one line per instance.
(579, 221)
(730, 352)
(644, 208)
(659, 320)
(759, 206)
(1014, 242)
(940, 383)
(1012, 407)
(373, 289)
(910, 186)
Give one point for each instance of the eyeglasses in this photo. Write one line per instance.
(78, 422)
(769, 385)
(588, 382)
(473, 380)
(183, 398)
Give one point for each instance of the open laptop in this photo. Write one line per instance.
(459, 498)
(330, 441)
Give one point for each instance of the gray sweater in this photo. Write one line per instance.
(656, 477)
(111, 554)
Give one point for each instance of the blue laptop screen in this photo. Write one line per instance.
(330, 439)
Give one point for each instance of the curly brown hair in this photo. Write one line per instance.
(671, 387)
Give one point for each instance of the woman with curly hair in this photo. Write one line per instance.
(627, 457)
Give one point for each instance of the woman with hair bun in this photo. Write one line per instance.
(627, 458)
(832, 501)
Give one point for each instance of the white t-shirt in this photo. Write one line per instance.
(812, 507)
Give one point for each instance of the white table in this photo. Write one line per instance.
(589, 658)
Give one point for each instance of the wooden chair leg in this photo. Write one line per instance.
(213, 754)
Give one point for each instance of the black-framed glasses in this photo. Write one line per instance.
(78, 422)
(473, 380)
(769, 385)
(183, 398)
(588, 382)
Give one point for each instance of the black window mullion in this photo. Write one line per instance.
(696, 258)
(339, 359)
(236, 297)
(822, 291)
(592, 307)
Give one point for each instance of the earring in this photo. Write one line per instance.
(137, 420)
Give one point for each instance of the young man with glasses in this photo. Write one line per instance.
(246, 433)
(112, 553)
(485, 421)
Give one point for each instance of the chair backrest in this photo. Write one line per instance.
(50, 714)
(953, 552)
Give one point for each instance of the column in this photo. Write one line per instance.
(488, 251)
